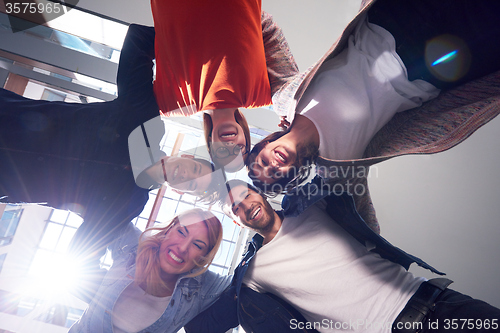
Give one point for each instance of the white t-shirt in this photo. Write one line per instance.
(331, 278)
(135, 310)
(356, 93)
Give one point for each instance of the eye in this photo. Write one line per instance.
(181, 232)
(198, 246)
(192, 185)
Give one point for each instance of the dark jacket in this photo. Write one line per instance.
(75, 156)
(230, 309)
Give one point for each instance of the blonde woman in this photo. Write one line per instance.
(159, 279)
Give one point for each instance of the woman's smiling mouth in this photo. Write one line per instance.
(175, 258)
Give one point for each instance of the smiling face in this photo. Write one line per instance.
(227, 137)
(251, 209)
(185, 174)
(186, 242)
(274, 161)
(228, 133)
(229, 155)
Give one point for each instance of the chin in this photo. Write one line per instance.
(235, 165)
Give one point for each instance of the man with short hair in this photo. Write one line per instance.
(336, 271)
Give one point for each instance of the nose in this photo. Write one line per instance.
(183, 245)
(183, 173)
(270, 170)
(246, 206)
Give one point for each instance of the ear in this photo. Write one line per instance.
(187, 156)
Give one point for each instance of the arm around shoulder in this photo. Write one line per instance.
(281, 65)
(219, 317)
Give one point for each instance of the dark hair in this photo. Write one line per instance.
(230, 184)
(306, 155)
(217, 181)
(208, 128)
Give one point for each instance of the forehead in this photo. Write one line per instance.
(237, 195)
(202, 184)
(189, 218)
(231, 163)
(194, 223)
(204, 180)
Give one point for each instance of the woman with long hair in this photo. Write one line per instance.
(159, 279)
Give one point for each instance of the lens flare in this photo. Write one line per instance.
(447, 57)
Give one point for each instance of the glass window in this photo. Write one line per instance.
(2, 260)
(8, 224)
(73, 316)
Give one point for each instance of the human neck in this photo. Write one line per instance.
(219, 115)
(169, 280)
(303, 130)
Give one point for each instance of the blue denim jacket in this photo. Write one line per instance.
(190, 297)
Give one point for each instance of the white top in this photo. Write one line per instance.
(135, 310)
(331, 278)
(356, 93)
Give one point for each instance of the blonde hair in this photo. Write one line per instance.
(148, 270)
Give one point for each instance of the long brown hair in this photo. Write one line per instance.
(148, 270)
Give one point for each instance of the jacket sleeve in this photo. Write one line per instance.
(125, 242)
(135, 68)
(91, 274)
(281, 66)
(218, 318)
(348, 179)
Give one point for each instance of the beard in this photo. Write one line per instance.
(266, 222)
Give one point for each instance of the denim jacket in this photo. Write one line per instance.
(191, 294)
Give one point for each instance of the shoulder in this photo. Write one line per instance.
(126, 241)
(213, 283)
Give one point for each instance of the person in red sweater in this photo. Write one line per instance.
(210, 57)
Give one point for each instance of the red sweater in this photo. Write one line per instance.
(209, 55)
